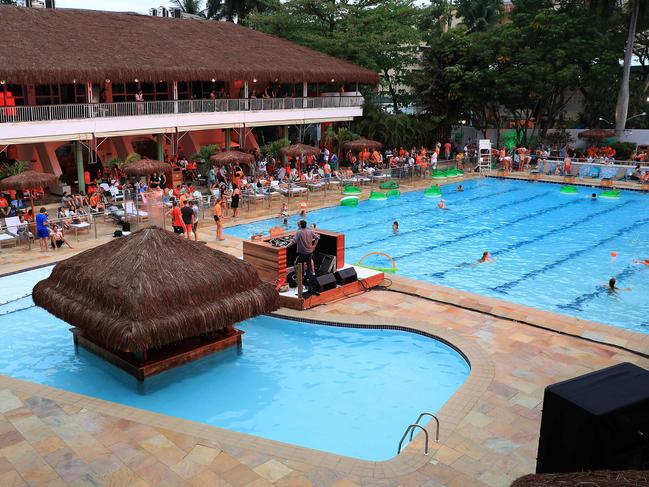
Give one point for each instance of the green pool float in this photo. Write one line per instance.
(612, 194)
(454, 173)
(378, 196)
(352, 190)
(568, 189)
(433, 192)
(393, 193)
(389, 185)
(349, 201)
(440, 174)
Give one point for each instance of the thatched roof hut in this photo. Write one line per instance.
(596, 134)
(233, 157)
(299, 150)
(146, 167)
(599, 478)
(362, 143)
(60, 45)
(153, 289)
(28, 180)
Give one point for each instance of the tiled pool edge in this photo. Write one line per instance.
(411, 458)
(625, 340)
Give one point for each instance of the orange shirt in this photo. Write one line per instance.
(94, 200)
(3, 202)
(176, 217)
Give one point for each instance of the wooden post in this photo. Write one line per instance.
(159, 141)
(298, 274)
(78, 153)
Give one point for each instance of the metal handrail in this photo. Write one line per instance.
(410, 428)
(436, 421)
(41, 113)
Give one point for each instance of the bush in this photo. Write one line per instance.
(623, 150)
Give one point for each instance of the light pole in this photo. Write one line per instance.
(630, 118)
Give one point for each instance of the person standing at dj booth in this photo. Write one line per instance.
(306, 241)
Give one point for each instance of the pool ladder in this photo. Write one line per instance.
(411, 429)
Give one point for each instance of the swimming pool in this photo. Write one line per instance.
(552, 250)
(349, 391)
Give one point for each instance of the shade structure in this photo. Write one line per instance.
(145, 167)
(28, 180)
(602, 478)
(596, 134)
(299, 150)
(233, 157)
(152, 289)
(361, 143)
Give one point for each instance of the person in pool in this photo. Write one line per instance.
(486, 257)
(460, 188)
(593, 197)
(442, 205)
(612, 286)
(641, 261)
(395, 227)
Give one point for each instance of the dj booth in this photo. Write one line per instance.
(274, 258)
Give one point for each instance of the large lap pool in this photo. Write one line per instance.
(552, 250)
(342, 390)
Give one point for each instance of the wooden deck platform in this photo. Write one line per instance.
(159, 360)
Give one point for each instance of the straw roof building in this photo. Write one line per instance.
(154, 292)
(94, 46)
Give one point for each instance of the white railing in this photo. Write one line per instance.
(133, 109)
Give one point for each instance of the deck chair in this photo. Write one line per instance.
(14, 226)
(8, 238)
(130, 210)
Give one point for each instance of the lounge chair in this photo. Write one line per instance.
(8, 238)
(13, 225)
(130, 210)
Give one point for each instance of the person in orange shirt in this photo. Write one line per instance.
(176, 218)
(375, 156)
(5, 210)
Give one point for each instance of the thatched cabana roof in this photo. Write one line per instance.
(60, 45)
(28, 180)
(233, 157)
(299, 150)
(596, 134)
(599, 478)
(145, 167)
(152, 289)
(361, 143)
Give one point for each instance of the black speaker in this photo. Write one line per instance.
(291, 279)
(598, 421)
(324, 282)
(324, 263)
(345, 276)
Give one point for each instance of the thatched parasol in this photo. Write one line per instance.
(233, 157)
(145, 167)
(29, 180)
(596, 134)
(120, 296)
(598, 478)
(299, 150)
(362, 143)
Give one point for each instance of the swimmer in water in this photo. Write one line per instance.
(593, 197)
(641, 261)
(612, 286)
(395, 227)
(285, 222)
(460, 188)
(284, 210)
(486, 257)
(442, 205)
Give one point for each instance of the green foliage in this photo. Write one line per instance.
(272, 149)
(558, 138)
(479, 15)
(623, 150)
(13, 169)
(114, 162)
(204, 153)
(381, 35)
(132, 157)
(338, 137)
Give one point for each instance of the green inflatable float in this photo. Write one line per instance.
(392, 269)
(349, 201)
(433, 192)
(378, 196)
(568, 189)
(612, 194)
(393, 193)
(440, 174)
(389, 185)
(454, 173)
(352, 190)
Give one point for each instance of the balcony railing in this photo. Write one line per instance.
(45, 113)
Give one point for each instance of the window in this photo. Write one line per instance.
(124, 92)
(60, 94)
(12, 95)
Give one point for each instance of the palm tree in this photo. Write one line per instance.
(192, 7)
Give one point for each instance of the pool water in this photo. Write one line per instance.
(343, 390)
(552, 251)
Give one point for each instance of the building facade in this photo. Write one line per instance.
(83, 87)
